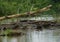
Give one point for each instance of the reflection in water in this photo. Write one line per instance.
(35, 36)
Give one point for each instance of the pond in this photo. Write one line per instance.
(34, 36)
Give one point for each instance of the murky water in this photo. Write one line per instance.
(35, 36)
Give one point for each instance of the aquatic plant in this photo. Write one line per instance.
(7, 31)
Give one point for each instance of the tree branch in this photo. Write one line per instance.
(27, 13)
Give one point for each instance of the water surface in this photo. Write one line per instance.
(35, 36)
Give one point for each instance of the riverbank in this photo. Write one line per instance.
(17, 28)
(28, 24)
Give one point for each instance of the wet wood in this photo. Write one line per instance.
(27, 13)
(25, 24)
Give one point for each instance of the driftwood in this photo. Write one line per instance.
(29, 24)
(27, 13)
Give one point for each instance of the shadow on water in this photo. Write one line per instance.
(35, 36)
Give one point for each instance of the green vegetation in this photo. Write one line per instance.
(7, 31)
(8, 7)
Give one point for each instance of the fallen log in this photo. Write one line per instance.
(28, 24)
(27, 13)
